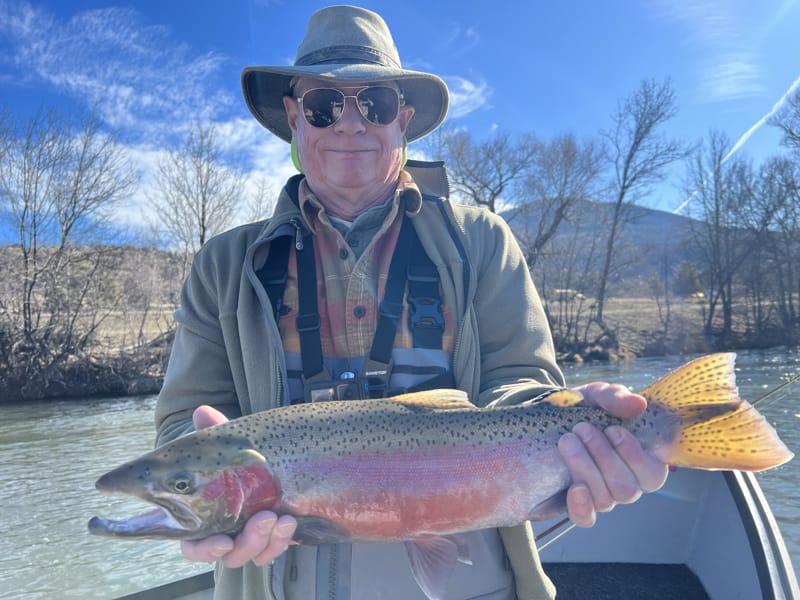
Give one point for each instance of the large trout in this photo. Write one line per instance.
(421, 468)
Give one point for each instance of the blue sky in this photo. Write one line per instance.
(521, 66)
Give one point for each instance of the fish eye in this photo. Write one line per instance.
(181, 484)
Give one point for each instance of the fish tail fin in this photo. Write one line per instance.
(717, 429)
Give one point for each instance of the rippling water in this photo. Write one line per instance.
(51, 455)
(53, 452)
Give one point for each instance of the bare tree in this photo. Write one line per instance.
(723, 191)
(262, 203)
(640, 153)
(788, 120)
(773, 269)
(58, 182)
(563, 172)
(568, 271)
(197, 193)
(484, 173)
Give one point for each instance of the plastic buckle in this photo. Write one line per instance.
(425, 312)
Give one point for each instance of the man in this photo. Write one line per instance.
(303, 308)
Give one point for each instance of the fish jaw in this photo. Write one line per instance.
(155, 524)
(197, 497)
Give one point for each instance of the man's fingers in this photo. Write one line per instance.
(619, 480)
(252, 541)
(208, 550)
(584, 471)
(607, 468)
(263, 539)
(280, 539)
(580, 505)
(650, 473)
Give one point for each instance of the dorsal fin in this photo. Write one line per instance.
(441, 399)
(560, 397)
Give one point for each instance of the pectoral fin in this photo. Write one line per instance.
(552, 507)
(432, 561)
(316, 530)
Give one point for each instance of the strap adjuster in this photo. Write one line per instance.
(306, 323)
(391, 310)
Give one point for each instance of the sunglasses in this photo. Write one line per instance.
(378, 104)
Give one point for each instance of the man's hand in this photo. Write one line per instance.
(607, 467)
(265, 536)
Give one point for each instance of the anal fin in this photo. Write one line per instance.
(432, 560)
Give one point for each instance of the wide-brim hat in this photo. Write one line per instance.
(345, 43)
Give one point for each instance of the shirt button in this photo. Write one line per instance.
(343, 253)
(359, 312)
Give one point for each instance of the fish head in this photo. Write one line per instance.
(202, 484)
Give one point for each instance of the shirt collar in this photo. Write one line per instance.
(314, 213)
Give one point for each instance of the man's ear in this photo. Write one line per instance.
(290, 105)
(405, 116)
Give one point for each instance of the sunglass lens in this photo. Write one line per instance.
(322, 107)
(378, 104)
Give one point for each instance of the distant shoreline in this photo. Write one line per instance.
(638, 332)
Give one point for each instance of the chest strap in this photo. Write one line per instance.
(409, 264)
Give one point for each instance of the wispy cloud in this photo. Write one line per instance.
(130, 71)
(728, 61)
(467, 96)
(748, 134)
(141, 82)
(459, 39)
(731, 76)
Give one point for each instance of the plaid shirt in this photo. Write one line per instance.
(351, 277)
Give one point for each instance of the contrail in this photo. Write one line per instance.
(747, 135)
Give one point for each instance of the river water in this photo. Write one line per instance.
(53, 452)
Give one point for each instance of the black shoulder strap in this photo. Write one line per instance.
(274, 272)
(391, 307)
(273, 275)
(410, 263)
(275, 269)
(425, 315)
(308, 321)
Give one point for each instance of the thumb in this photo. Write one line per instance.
(206, 416)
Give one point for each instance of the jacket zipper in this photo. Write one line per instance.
(332, 574)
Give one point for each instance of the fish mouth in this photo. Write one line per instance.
(173, 521)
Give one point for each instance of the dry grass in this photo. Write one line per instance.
(640, 326)
(124, 331)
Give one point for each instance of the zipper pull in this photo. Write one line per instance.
(298, 234)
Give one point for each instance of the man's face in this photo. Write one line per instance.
(352, 164)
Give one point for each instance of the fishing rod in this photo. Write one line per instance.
(553, 529)
(777, 389)
(562, 524)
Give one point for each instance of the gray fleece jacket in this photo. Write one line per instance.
(227, 353)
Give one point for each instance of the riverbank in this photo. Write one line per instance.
(96, 375)
(636, 327)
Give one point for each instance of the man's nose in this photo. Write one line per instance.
(351, 119)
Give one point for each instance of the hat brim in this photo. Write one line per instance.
(265, 87)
